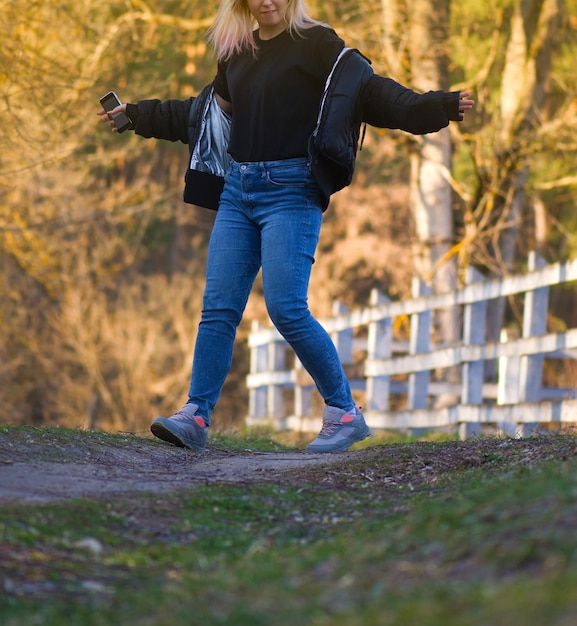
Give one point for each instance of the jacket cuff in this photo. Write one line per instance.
(450, 105)
(133, 114)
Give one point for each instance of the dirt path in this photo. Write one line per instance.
(44, 467)
(49, 464)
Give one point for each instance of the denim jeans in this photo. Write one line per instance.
(269, 217)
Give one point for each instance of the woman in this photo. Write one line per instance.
(271, 81)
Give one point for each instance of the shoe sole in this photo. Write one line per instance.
(162, 432)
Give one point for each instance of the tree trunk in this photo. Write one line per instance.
(415, 34)
(523, 88)
(416, 43)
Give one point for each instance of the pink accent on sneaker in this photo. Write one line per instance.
(345, 419)
(200, 421)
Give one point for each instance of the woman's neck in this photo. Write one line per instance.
(270, 32)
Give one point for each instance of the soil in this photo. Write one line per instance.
(39, 466)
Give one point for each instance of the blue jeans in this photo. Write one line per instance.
(269, 216)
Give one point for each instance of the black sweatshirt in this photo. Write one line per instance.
(276, 97)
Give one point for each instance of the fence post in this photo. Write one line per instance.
(379, 346)
(534, 324)
(258, 363)
(343, 339)
(420, 341)
(508, 382)
(474, 321)
(302, 392)
(276, 362)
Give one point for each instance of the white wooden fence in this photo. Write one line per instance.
(398, 380)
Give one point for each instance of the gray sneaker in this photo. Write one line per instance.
(184, 429)
(340, 430)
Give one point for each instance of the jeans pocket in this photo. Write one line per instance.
(290, 175)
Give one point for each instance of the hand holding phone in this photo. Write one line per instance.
(109, 102)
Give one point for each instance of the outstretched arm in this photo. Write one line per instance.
(388, 104)
(166, 119)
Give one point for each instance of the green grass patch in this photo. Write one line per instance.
(431, 534)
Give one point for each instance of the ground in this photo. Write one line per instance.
(431, 532)
(44, 465)
(41, 466)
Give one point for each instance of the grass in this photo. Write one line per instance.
(424, 534)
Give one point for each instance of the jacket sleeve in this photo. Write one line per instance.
(387, 104)
(162, 120)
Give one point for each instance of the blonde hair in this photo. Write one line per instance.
(232, 29)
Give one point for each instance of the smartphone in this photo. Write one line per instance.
(121, 120)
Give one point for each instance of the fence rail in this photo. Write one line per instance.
(399, 379)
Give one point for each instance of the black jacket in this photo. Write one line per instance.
(353, 95)
(188, 121)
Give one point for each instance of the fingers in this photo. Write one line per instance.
(121, 108)
(465, 103)
(106, 116)
(464, 100)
